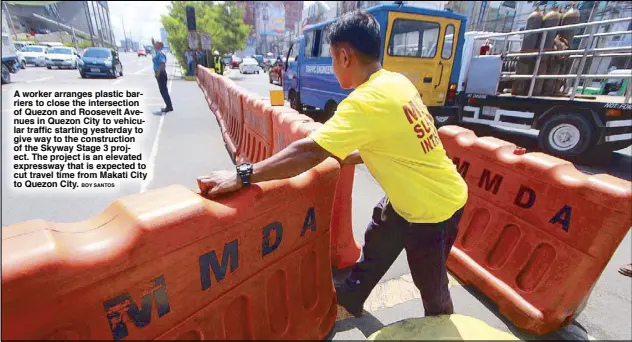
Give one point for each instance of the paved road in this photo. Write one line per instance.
(606, 316)
(187, 142)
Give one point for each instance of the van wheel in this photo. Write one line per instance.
(295, 100)
(566, 135)
(330, 110)
(445, 120)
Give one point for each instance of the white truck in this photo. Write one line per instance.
(10, 60)
(528, 83)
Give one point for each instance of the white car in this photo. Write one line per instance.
(34, 54)
(249, 66)
(62, 57)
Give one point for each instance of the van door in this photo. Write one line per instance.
(415, 47)
(290, 72)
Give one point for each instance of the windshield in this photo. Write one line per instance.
(249, 61)
(60, 51)
(32, 49)
(97, 53)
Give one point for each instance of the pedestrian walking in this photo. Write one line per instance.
(392, 133)
(160, 72)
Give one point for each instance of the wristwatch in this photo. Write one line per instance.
(244, 171)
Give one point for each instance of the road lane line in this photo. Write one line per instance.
(154, 149)
(139, 72)
(40, 79)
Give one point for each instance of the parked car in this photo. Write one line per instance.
(51, 44)
(141, 52)
(276, 72)
(267, 64)
(249, 66)
(235, 61)
(35, 54)
(62, 57)
(97, 61)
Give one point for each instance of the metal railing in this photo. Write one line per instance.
(585, 53)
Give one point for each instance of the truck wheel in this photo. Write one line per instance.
(6, 74)
(566, 135)
(295, 100)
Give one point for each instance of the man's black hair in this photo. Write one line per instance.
(360, 30)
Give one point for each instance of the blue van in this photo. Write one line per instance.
(416, 42)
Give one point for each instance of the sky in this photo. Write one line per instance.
(142, 19)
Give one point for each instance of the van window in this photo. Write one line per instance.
(448, 38)
(324, 47)
(414, 38)
(309, 44)
(317, 41)
(294, 52)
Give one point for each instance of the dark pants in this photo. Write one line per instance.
(190, 69)
(162, 85)
(427, 247)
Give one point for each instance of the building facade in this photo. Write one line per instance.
(63, 20)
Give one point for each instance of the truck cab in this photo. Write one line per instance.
(10, 60)
(416, 42)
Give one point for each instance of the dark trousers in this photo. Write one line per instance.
(427, 247)
(162, 85)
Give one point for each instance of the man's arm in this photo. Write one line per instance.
(353, 159)
(295, 159)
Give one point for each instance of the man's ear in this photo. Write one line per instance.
(345, 56)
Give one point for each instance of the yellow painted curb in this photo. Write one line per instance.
(448, 327)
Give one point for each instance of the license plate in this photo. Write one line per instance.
(95, 70)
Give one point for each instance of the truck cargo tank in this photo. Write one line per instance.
(530, 42)
(571, 17)
(551, 19)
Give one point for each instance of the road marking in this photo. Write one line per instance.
(389, 294)
(154, 149)
(40, 79)
(139, 72)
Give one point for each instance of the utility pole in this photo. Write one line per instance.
(10, 18)
(124, 34)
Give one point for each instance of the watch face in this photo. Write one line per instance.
(244, 167)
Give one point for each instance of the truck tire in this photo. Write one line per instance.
(566, 135)
(6, 74)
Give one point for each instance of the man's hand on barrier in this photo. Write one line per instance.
(293, 160)
(219, 182)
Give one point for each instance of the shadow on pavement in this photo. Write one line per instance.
(574, 331)
(367, 324)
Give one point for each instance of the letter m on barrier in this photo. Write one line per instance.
(209, 262)
(493, 184)
(116, 308)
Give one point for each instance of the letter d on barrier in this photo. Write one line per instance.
(266, 248)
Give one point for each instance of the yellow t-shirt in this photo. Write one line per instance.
(386, 121)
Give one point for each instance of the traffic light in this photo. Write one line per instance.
(190, 11)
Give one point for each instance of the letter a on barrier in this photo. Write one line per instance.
(116, 307)
(266, 248)
(563, 217)
(310, 221)
(230, 252)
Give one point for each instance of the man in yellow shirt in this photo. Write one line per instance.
(384, 124)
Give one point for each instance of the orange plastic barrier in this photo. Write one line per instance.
(536, 233)
(233, 118)
(288, 127)
(258, 134)
(170, 264)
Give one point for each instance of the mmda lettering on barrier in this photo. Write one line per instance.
(525, 198)
(123, 305)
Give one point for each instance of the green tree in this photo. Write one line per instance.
(222, 21)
